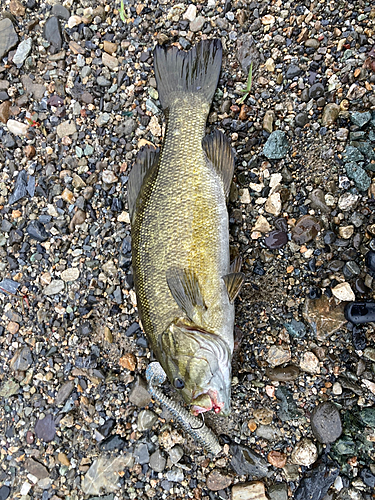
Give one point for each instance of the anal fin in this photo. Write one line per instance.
(146, 160)
(219, 153)
(184, 287)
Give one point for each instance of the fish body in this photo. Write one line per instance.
(184, 283)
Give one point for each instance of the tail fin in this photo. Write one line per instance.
(196, 71)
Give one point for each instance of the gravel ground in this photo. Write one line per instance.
(77, 101)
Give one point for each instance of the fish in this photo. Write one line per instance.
(184, 281)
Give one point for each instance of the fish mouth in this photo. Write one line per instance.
(206, 402)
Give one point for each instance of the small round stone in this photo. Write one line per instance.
(304, 453)
(326, 422)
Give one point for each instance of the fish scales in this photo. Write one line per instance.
(180, 239)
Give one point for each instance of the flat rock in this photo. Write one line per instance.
(66, 128)
(23, 50)
(103, 475)
(70, 274)
(218, 480)
(17, 128)
(36, 468)
(8, 37)
(246, 461)
(249, 491)
(324, 316)
(344, 292)
(317, 482)
(37, 231)
(52, 32)
(22, 359)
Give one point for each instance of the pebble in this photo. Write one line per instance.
(217, 480)
(304, 453)
(36, 468)
(8, 38)
(317, 483)
(344, 292)
(278, 355)
(175, 454)
(56, 286)
(347, 201)
(139, 394)
(283, 374)
(23, 50)
(70, 274)
(277, 459)
(66, 128)
(246, 461)
(358, 175)
(190, 14)
(277, 146)
(109, 47)
(261, 225)
(4, 111)
(278, 491)
(263, 415)
(157, 461)
(52, 32)
(128, 361)
(17, 128)
(110, 61)
(45, 428)
(22, 360)
(37, 231)
(197, 24)
(326, 422)
(305, 230)
(310, 363)
(360, 118)
(109, 177)
(276, 239)
(273, 204)
(254, 490)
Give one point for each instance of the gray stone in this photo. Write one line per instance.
(64, 392)
(247, 52)
(37, 231)
(293, 71)
(141, 454)
(60, 11)
(326, 423)
(126, 128)
(175, 454)
(197, 24)
(175, 475)
(157, 461)
(66, 128)
(103, 82)
(56, 286)
(360, 119)
(22, 360)
(139, 394)
(245, 461)
(301, 119)
(352, 154)
(23, 50)
(8, 37)
(52, 32)
(278, 491)
(146, 420)
(36, 468)
(316, 91)
(277, 145)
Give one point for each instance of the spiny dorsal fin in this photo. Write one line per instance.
(184, 287)
(147, 158)
(219, 153)
(233, 282)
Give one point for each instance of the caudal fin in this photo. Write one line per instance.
(194, 72)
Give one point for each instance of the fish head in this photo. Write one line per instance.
(198, 364)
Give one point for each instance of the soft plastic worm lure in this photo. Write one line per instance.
(155, 375)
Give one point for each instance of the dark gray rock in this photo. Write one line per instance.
(22, 360)
(8, 141)
(318, 481)
(60, 11)
(25, 185)
(247, 462)
(8, 37)
(139, 394)
(141, 454)
(301, 119)
(326, 422)
(288, 408)
(114, 442)
(316, 91)
(52, 32)
(4, 492)
(293, 71)
(37, 231)
(45, 429)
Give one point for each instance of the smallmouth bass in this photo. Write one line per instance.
(183, 279)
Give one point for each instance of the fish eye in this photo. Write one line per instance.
(178, 383)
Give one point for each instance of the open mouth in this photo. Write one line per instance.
(206, 402)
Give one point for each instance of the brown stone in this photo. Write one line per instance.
(128, 361)
(305, 230)
(78, 218)
(277, 459)
(16, 8)
(324, 316)
(30, 151)
(217, 480)
(36, 468)
(13, 327)
(4, 111)
(109, 47)
(63, 459)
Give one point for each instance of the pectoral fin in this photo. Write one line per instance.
(219, 153)
(146, 160)
(233, 282)
(184, 287)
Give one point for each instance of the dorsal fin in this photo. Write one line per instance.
(147, 158)
(219, 153)
(184, 287)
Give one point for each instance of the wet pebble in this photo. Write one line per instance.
(304, 453)
(305, 230)
(326, 422)
(276, 239)
(146, 420)
(283, 374)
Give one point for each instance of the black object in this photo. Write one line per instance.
(359, 313)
